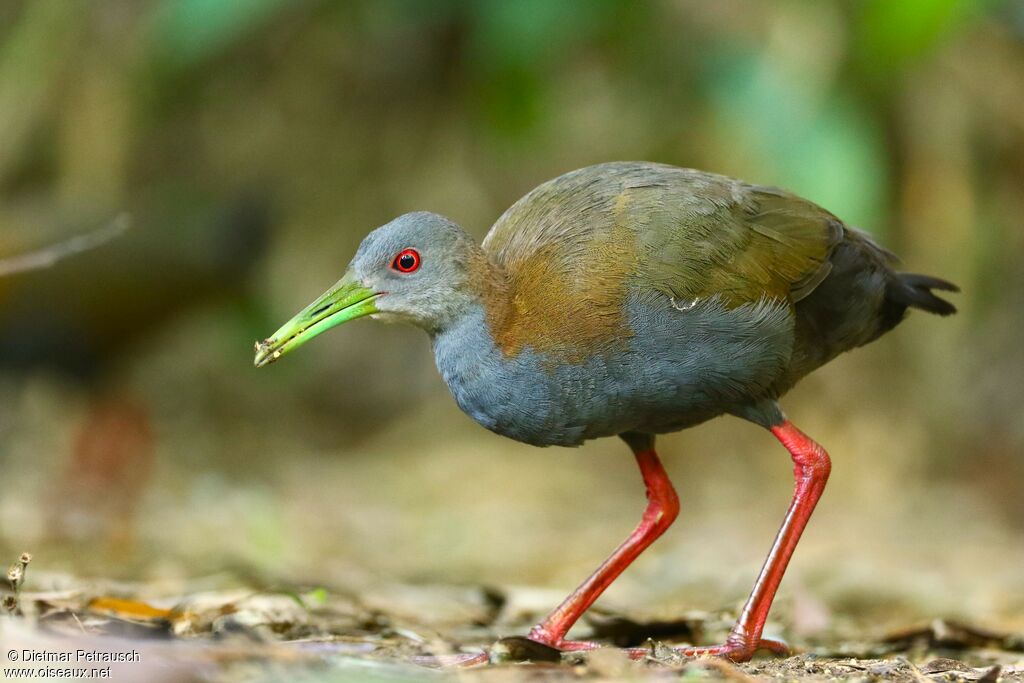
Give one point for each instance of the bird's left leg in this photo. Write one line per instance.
(662, 510)
(811, 467)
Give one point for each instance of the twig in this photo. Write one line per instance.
(16, 577)
(79, 622)
(724, 668)
(914, 671)
(48, 256)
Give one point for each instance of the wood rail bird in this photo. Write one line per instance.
(633, 299)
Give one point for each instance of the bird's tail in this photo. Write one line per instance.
(915, 291)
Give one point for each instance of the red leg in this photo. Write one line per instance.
(662, 509)
(811, 469)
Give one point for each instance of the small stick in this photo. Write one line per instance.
(16, 577)
(79, 622)
(23, 562)
(48, 256)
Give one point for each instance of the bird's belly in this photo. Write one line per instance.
(571, 405)
(677, 369)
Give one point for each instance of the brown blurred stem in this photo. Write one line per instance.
(48, 256)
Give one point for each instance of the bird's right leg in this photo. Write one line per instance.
(662, 510)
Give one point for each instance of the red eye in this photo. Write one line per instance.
(407, 261)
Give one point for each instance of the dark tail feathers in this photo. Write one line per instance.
(915, 291)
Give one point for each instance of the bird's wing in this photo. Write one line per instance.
(577, 247)
(685, 233)
(739, 242)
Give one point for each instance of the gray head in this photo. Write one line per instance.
(422, 264)
(420, 268)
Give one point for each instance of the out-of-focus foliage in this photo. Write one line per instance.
(255, 142)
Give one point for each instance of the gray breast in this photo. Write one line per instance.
(684, 364)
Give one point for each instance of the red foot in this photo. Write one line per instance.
(737, 651)
(528, 649)
(539, 634)
(570, 645)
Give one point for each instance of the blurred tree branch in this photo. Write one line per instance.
(48, 256)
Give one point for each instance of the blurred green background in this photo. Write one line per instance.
(255, 142)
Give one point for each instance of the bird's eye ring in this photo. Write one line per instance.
(407, 261)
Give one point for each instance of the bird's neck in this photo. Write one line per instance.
(491, 292)
(471, 364)
(470, 361)
(484, 294)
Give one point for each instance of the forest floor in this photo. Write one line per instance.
(225, 629)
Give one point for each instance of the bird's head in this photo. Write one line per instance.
(419, 268)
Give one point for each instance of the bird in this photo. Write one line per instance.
(634, 299)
